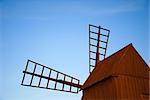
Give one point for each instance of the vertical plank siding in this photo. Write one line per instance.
(131, 87)
(118, 88)
(101, 90)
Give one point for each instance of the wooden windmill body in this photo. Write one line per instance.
(110, 78)
(122, 76)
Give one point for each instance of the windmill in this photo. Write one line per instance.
(40, 76)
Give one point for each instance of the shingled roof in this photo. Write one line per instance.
(126, 61)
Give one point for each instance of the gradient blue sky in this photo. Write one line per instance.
(55, 33)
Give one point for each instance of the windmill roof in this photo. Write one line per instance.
(126, 61)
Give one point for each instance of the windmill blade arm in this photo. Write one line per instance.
(52, 79)
(35, 74)
(98, 42)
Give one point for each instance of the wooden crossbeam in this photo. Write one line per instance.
(55, 80)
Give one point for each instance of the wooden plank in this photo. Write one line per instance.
(40, 75)
(49, 77)
(52, 79)
(56, 81)
(48, 88)
(33, 75)
(24, 73)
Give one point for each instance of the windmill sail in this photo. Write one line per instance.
(98, 41)
(40, 76)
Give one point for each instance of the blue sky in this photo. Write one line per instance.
(55, 33)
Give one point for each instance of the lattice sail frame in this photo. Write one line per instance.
(98, 42)
(35, 73)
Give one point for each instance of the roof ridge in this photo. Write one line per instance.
(122, 56)
(123, 50)
(115, 53)
(118, 51)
